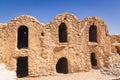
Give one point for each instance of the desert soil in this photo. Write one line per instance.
(91, 75)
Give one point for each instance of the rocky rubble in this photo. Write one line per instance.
(112, 69)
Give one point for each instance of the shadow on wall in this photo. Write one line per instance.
(118, 49)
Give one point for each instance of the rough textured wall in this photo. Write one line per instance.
(115, 38)
(115, 41)
(35, 41)
(102, 47)
(3, 38)
(46, 50)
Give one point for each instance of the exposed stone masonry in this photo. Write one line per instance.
(65, 45)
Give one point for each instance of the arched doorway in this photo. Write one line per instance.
(22, 67)
(93, 33)
(62, 65)
(62, 32)
(22, 37)
(93, 60)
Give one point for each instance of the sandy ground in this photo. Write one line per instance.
(92, 75)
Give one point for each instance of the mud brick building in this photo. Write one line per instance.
(64, 45)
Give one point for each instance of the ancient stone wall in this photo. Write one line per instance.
(115, 40)
(64, 45)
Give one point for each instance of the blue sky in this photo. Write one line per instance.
(46, 10)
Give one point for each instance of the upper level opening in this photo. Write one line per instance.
(22, 41)
(62, 32)
(93, 33)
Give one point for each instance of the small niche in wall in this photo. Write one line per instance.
(42, 34)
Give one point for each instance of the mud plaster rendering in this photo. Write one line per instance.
(65, 45)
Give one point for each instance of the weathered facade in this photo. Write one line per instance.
(65, 45)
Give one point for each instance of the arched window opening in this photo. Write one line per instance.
(93, 33)
(22, 67)
(22, 37)
(62, 65)
(93, 60)
(62, 32)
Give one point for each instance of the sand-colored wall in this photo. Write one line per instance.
(44, 49)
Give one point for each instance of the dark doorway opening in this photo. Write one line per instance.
(62, 66)
(22, 67)
(93, 33)
(93, 60)
(117, 49)
(62, 32)
(22, 37)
